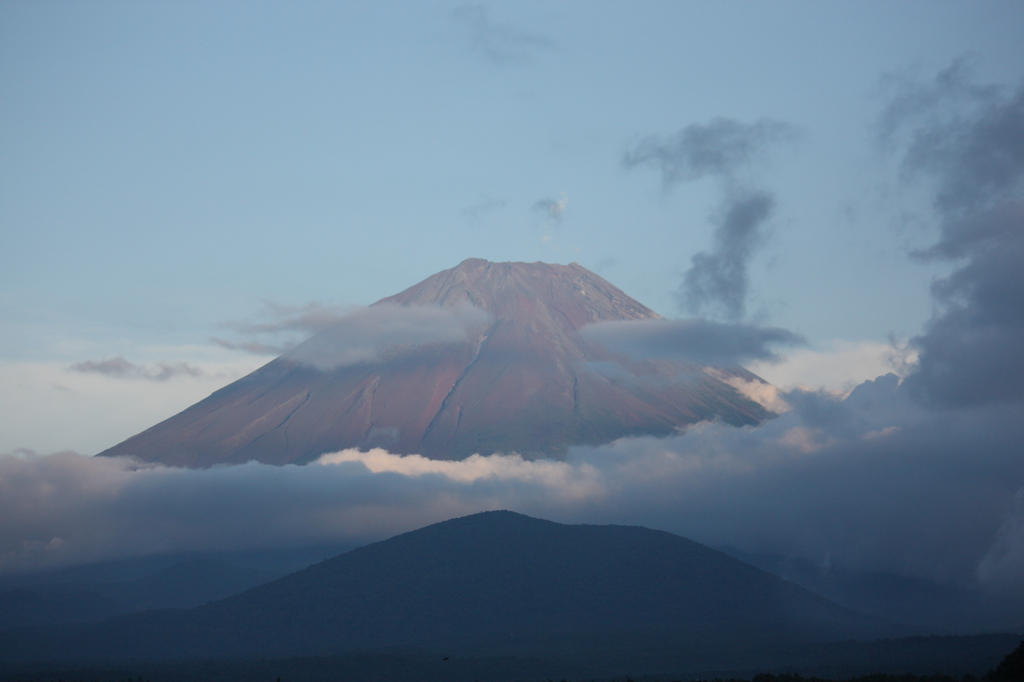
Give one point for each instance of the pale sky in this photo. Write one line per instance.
(170, 171)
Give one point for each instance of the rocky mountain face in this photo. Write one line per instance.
(500, 366)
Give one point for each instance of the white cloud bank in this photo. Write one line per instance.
(838, 365)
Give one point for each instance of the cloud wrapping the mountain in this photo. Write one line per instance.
(370, 334)
(298, 321)
(694, 340)
(331, 336)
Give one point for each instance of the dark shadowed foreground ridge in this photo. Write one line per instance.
(495, 583)
(505, 596)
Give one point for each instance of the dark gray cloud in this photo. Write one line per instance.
(967, 142)
(965, 136)
(716, 149)
(119, 368)
(716, 284)
(550, 208)
(697, 340)
(499, 42)
(970, 351)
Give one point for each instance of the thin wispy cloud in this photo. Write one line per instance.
(499, 42)
(254, 347)
(120, 368)
(311, 317)
(718, 148)
(485, 206)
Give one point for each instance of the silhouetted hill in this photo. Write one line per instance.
(186, 585)
(495, 583)
(942, 609)
(518, 377)
(181, 585)
(39, 606)
(1011, 668)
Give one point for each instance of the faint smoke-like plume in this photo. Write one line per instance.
(719, 148)
(485, 205)
(499, 42)
(551, 208)
(717, 283)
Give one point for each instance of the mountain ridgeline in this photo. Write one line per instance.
(496, 584)
(513, 374)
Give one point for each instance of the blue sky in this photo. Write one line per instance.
(170, 169)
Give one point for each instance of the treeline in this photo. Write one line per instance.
(405, 668)
(1010, 669)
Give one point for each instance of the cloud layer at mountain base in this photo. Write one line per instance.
(873, 482)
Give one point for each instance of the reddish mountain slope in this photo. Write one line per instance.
(520, 380)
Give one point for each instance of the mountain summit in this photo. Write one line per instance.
(482, 358)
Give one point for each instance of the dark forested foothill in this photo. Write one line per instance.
(1011, 669)
(502, 597)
